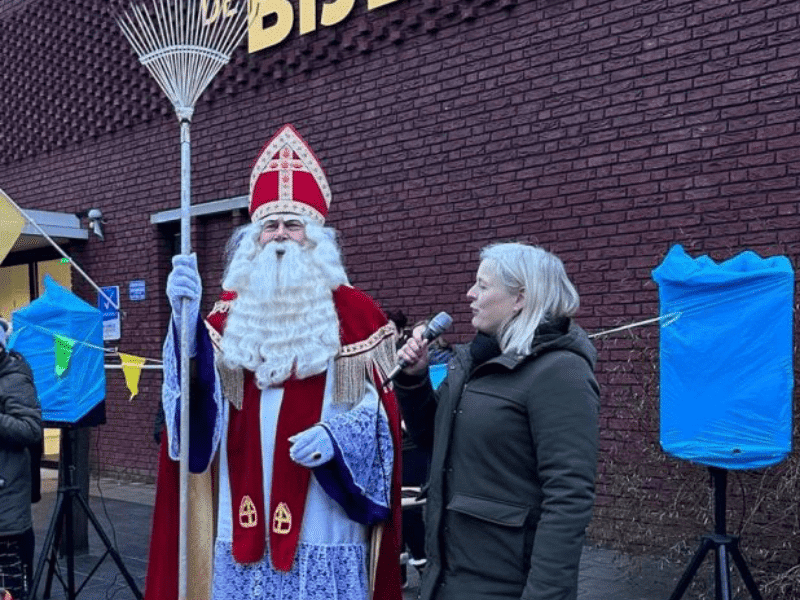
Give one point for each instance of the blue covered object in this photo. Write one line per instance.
(82, 386)
(726, 359)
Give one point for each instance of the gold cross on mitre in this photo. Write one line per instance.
(248, 515)
(282, 519)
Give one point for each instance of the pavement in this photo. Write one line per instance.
(124, 511)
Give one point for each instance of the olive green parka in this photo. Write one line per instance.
(514, 456)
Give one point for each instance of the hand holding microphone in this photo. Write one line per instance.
(413, 356)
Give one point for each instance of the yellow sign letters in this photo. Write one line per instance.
(218, 7)
(271, 21)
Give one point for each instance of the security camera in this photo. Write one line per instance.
(96, 222)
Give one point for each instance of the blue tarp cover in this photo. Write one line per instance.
(83, 385)
(726, 358)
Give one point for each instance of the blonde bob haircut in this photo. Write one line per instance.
(548, 294)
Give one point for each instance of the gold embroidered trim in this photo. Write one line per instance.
(222, 306)
(215, 336)
(287, 137)
(282, 519)
(372, 341)
(287, 206)
(248, 515)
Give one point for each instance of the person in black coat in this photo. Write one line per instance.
(20, 429)
(513, 435)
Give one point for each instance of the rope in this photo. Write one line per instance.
(688, 308)
(672, 317)
(114, 351)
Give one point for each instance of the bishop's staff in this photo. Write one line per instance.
(184, 44)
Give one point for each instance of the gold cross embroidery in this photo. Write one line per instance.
(248, 515)
(282, 519)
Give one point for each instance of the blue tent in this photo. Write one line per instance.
(82, 386)
(726, 358)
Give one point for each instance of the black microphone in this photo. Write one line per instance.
(436, 327)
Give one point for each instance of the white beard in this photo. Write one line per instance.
(283, 321)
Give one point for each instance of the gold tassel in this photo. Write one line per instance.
(350, 386)
(231, 381)
(357, 362)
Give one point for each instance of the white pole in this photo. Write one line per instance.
(167, 45)
(184, 115)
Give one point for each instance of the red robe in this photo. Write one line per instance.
(366, 340)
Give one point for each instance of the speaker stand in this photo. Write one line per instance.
(61, 522)
(724, 545)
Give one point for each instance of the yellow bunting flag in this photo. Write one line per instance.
(64, 347)
(132, 369)
(11, 224)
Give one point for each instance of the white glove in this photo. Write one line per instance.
(312, 447)
(184, 282)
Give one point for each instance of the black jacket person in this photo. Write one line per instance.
(20, 427)
(514, 443)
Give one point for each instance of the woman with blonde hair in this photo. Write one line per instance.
(513, 436)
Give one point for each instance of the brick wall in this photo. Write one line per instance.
(605, 131)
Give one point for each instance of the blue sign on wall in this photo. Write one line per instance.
(111, 324)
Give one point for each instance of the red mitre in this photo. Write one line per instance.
(287, 178)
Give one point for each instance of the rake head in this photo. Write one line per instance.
(184, 43)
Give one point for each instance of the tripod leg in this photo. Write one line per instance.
(47, 546)
(723, 574)
(111, 550)
(747, 577)
(51, 568)
(70, 542)
(691, 570)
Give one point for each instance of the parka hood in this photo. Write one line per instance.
(564, 334)
(12, 362)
